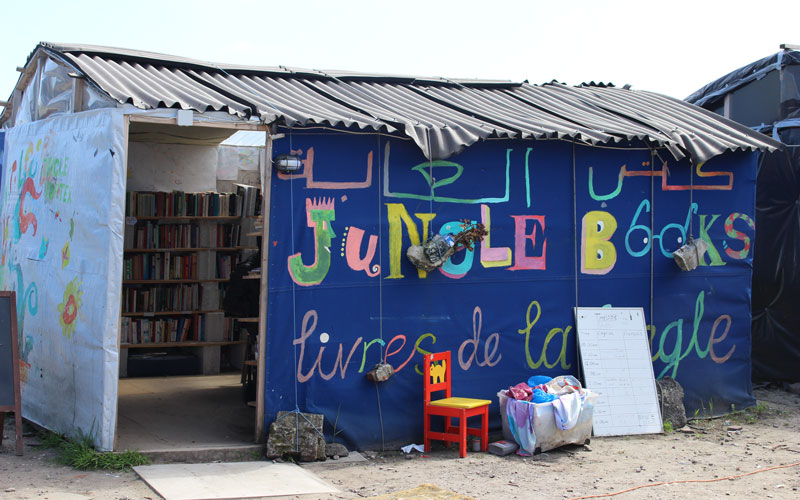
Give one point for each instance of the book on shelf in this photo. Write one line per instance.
(248, 199)
(181, 204)
(156, 266)
(227, 235)
(161, 299)
(225, 265)
(149, 235)
(152, 331)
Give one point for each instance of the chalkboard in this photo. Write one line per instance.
(617, 364)
(7, 397)
(9, 364)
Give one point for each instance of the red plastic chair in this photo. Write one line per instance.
(437, 378)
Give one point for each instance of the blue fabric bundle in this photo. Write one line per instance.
(539, 396)
(535, 380)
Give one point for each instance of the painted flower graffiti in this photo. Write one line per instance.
(69, 307)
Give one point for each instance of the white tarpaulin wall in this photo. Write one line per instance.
(62, 202)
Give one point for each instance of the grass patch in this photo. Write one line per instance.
(81, 454)
(668, 428)
(756, 412)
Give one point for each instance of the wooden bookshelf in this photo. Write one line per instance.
(160, 345)
(168, 313)
(173, 282)
(221, 218)
(178, 256)
(189, 250)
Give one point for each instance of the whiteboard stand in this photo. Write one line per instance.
(10, 398)
(615, 356)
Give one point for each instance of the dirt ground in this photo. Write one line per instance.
(749, 455)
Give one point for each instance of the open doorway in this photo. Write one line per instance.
(192, 236)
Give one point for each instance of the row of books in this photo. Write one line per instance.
(159, 266)
(152, 299)
(180, 203)
(145, 330)
(228, 235)
(199, 327)
(153, 235)
(225, 265)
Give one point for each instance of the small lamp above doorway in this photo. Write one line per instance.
(287, 164)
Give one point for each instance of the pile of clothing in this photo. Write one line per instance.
(564, 394)
(543, 389)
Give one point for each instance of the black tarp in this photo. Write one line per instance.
(765, 95)
(776, 264)
(712, 92)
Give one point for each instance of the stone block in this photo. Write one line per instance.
(670, 397)
(336, 450)
(283, 436)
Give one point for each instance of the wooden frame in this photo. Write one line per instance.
(263, 296)
(237, 125)
(17, 406)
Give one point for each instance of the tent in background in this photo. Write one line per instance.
(765, 95)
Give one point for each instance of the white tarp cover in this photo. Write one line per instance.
(231, 159)
(168, 167)
(62, 204)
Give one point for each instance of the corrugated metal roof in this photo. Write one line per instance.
(442, 116)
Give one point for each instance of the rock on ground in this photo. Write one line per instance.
(670, 397)
(283, 437)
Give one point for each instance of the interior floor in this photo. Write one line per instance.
(179, 412)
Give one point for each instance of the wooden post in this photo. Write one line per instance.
(266, 193)
(8, 321)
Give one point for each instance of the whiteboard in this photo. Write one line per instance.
(615, 355)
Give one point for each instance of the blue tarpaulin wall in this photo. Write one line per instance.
(568, 225)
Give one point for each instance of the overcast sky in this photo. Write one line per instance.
(672, 47)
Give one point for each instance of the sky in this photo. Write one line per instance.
(671, 47)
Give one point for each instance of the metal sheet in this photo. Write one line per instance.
(441, 116)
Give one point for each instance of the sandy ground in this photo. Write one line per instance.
(763, 449)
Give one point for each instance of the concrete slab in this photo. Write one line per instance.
(64, 495)
(227, 453)
(351, 457)
(162, 414)
(231, 480)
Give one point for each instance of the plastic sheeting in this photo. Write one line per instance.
(342, 295)
(776, 274)
(55, 90)
(26, 111)
(62, 207)
(717, 89)
(766, 95)
(756, 88)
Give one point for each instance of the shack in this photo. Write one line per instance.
(765, 96)
(586, 191)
